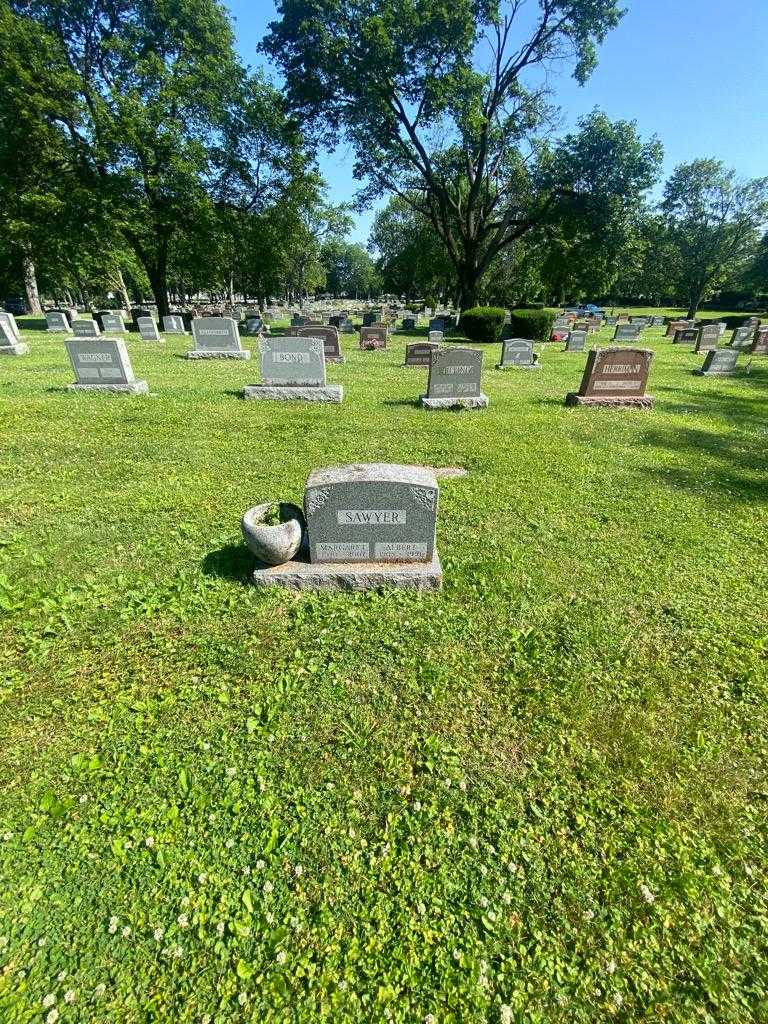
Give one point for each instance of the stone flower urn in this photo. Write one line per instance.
(273, 543)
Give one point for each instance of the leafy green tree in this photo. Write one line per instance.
(402, 81)
(166, 119)
(714, 223)
(412, 259)
(350, 269)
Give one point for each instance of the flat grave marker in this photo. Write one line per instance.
(103, 364)
(615, 377)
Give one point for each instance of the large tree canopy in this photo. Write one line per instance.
(435, 100)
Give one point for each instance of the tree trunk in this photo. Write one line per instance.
(693, 305)
(30, 283)
(124, 296)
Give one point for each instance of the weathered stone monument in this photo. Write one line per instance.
(148, 328)
(686, 336)
(708, 338)
(436, 338)
(10, 337)
(759, 345)
(437, 323)
(454, 380)
(615, 377)
(627, 332)
(719, 362)
(85, 329)
(742, 337)
(173, 323)
(373, 338)
(113, 323)
(102, 364)
(575, 341)
(329, 336)
(518, 353)
(293, 369)
(419, 353)
(216, 337)
(409, 323)
(368, 526)
(57, 322)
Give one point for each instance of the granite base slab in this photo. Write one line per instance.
(18, 349)
(715, 373)
(336, 359)
(218, 354)
(476, 402)
(638, 402)
(281, 393)
(352, 576)
(135, 387)
(519, 366)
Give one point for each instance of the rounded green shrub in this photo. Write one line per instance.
(534, 324)
(738, 320)
(483, 323)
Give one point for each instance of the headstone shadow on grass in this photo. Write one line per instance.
(231, 562)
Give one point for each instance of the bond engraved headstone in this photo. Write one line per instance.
(57, 322)
(615, 377)
(216, 337)
(85, 328)
(419, 353)
(454, 380)
(330, 338)
(518, 352)
(720, 362)
(148, 329)
(103, 365)
(293, 369)
(173, 323)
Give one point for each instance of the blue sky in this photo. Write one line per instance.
(693, 72)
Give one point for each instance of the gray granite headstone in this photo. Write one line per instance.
(173, 323)
(371, 513)
(576, 341)
(518, 352)
(287, 361)
(454, 380)
(10, 345)
(10, 322)
(57, 322)
(103, 364)
(85, 329)
(719, 362)
(216, 337)
(148, 329)
(113, 323)
(708, 339)
(626, 332)
(742, 337)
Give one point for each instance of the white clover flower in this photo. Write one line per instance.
(294, 922)
(149, 841)
(491, 915)
(48, 1000)
(457, 954)
(158, 934)
(512, 867)
(430, 1019)
(70, 996)
(268, 887)
(473, 842)
(611, 966)
(242, 998)
(447, 783)
(207, 746)
(247, 871)
(483, 870)
(3, 941)
(717, 871)
(202, 877)
(83, 799)
(281, 957)
(183, 921)
(298, 871)
(7, 837)
(618, 999)
(463, 785)
(113, 922)
(269, 917)
(100, 989)
(229, 843)
(211, 817)
(505, 1015)
(61, 976)
(231, 772)
(483, 901)
(177, 952)
(589, 915)
(506, 897)
(342, 986)
(648, 895)
(41, 942)
(52, 1017)
(260, 865)
(220, 928)
(421, 907)
(126, 932)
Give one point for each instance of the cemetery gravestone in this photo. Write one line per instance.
(437, 324)
(57, 322)
(293, 368)
(708, 339)
(611, 321)
(368, 526)
(518, 352)
(419, 353)
(113, 323)
(409, 323)
(216, 337)
(674, 326)
(742, 337)
(760, 344)
(103, 365)
(368, 319)
(173, 323)
(330, 338)
(615, 377)
(686, 336)
(719, 362)
(85, 329)
(148, 329)
(10, 339)
(373, 338)
(626, 332)
(435, 338)
(454, 380)
(347, 327)
(575, 341)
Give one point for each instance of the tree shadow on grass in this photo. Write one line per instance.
(724, 397)
(232, 562)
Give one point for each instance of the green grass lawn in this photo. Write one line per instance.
(539, 796)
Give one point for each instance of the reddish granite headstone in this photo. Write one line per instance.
(760, 343)
(373, 337)
(615, 377)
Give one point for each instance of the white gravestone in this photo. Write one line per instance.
(10, 345)
(103, 365)
(113, 323)
(174, 324)
(216, 337)
(57, 322)
(86, 329)
(148, 328)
